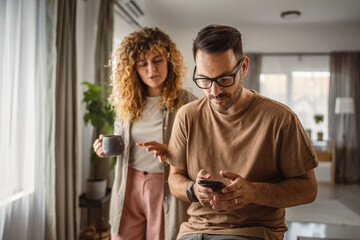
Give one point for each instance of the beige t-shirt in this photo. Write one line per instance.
(264, 142)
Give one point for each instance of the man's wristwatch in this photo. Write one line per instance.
(190, 193)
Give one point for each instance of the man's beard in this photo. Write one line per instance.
(228, 102)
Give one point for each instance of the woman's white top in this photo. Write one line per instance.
(148, 127)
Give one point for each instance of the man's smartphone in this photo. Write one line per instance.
(214, 185)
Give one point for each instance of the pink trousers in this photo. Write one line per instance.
(142, 216)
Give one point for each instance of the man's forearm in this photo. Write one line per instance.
(178, 184)
(291, 192)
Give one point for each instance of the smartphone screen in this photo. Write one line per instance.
(214, 185)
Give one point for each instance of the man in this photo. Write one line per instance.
(254, 145)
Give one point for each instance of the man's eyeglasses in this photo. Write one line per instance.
(222, 81)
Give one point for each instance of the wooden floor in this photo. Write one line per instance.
(349, 195)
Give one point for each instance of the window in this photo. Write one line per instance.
(301, 83)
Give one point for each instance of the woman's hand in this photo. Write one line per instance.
(160, 150)
(98, 146)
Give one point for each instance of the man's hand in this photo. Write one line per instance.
(237, 194)
(290, 192)
(204, 194)
(160, 150)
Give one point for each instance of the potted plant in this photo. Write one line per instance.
(319, 118)
(101, 116)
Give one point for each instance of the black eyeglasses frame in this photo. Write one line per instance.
(216, 79)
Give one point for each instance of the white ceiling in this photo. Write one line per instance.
(199, 13)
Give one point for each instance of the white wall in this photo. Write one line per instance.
(123, 28)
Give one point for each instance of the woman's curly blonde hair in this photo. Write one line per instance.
(129, 91)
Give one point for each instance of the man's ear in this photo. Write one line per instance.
(245, 66)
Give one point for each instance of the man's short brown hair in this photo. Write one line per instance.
(217, 38)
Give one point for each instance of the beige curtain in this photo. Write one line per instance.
(103, 54)
(50, 208)
(65, 136)
(104, 40)
(252, 79)
(345, 129)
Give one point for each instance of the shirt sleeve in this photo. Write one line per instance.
(178, 142)
(297, 155)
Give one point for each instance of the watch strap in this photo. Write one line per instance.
(190, 192)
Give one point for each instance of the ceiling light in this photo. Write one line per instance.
(290, 14)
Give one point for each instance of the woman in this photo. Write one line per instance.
(146, 95)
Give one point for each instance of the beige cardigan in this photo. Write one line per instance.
(174, 209)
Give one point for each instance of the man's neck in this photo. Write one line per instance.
(245, 97)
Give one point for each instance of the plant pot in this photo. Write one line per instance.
(320, 136)
(95, 188)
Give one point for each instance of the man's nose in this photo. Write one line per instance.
(215, 89)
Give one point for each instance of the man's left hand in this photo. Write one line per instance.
(237, 194)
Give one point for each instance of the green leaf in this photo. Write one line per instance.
(94, 158)
(107, 130)
(95, 107)
(87, 118)
(318, 118)
(92, 86)
(97, 121)
(113, 162)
